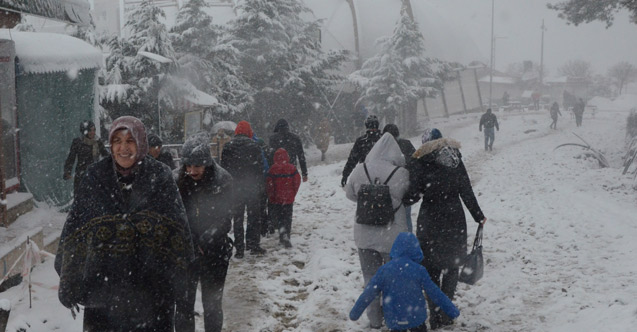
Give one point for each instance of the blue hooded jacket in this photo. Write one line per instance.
(402, 281)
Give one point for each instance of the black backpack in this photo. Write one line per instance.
(374, 206)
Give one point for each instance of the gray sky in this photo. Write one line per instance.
(519, 22)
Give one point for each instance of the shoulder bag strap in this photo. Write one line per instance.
(392, 174)
(367, 173)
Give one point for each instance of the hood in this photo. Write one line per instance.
(407, 245)
(386, 149)
(281, 156)
(434, 145)
(137, 130)
(196, 150)
(243, 128)
(282, 126)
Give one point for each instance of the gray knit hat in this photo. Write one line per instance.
(196, 150)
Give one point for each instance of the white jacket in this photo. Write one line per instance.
(381, 161)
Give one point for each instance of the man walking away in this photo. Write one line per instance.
(555, 110)
(362, 146)
(283, 138)
(242, 158)
(489, 121)
(155, 143)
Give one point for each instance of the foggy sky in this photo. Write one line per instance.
(519, 22)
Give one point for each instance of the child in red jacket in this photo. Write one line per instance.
(282, 184)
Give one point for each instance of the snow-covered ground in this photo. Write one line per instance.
(559, 244)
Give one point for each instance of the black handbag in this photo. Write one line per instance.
(473, 267)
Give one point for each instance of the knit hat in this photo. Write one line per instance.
(85, 127)
(154, 140)
(137, 130)
(372, 122)
(431, 134)
(196, 150)
(243, 128)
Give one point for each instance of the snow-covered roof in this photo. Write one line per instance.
(498, 79)
(561, 79)
(71, 11)
(186, 90)
(41, 52)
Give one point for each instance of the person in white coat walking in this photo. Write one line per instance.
(374, 242)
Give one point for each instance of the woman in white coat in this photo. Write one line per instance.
(374, 242)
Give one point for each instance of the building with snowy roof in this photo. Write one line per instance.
(50, 88)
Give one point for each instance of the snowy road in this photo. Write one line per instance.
(559, 244)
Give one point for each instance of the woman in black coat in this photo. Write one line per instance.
(438, 175)
(126, 243)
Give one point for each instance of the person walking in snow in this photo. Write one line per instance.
(402, 281)
(86, 149)
(243, 159)
(438, 176)
(155, 143)
(282, 184)
(125, 245)
(283, 138)
(407, 150)
(205, 189)
(578, 111)
(488, 120)
(555, 111)
(362, 146)
(374, 242)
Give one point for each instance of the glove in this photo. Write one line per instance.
(344, 181)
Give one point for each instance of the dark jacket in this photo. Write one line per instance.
(167, 158)
(283, 180)
(406, 148)
(83, 153)
(437, 173)
(360, 150)
(283, 138)
(488, 120)
(208, 203)
(402, 281)
(242, 158)
(555, 110)
(124, 254)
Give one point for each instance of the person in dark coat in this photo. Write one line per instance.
(86, 149)
(362, 146)
(155, 143)
(578, 110)
(242, 158)
(402, 282)
(126, 244)
(438, 175)
(407, 150)
(488, 120)
(282, 184)
(205, 188)
(555, 111)
(283, 138)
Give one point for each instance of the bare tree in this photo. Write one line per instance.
(577, 69)
(622, 74)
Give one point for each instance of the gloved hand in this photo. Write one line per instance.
(344, 181)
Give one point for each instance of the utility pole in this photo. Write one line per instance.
(542, 56)
(492, 54)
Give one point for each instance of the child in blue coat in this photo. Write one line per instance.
(402, 281)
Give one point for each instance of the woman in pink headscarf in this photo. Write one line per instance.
(125, 245)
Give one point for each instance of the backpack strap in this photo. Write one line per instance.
(390, 175)
(367, 173)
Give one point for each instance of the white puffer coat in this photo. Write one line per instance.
(381, 161)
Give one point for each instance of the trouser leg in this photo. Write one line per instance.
(237, 226)
(286, 221)
(253, 232)
(185, 305)
(371, 260)
(213, 280)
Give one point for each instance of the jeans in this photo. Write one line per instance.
(371, 261)
(281, 215)
(489, 137)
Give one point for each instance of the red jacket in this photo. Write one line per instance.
(283, 180)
